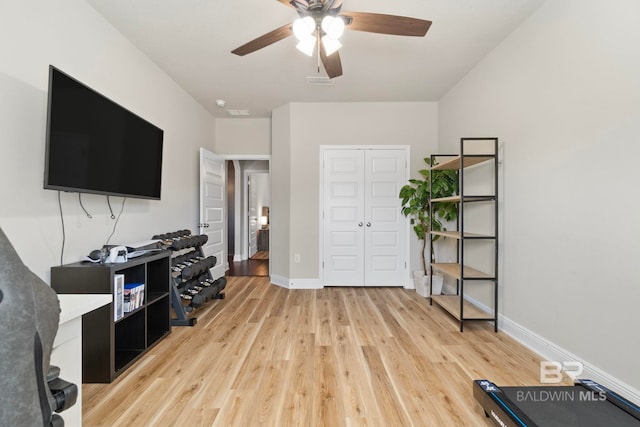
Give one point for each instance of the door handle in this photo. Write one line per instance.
(360, 224)
(368, 224)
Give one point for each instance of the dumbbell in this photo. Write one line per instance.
(200, 240)
(197, 301)
(197, 241)
(177, 244)
(211, 261)
(192, 284)
(178, 268)
(189, 272)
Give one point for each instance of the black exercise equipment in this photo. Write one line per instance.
(193, 284)
(585, 404)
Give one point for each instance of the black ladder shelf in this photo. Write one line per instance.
(192, 282)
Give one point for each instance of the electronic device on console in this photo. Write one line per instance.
(115, 254)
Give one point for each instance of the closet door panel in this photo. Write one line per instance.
(343, 218)
(385, 174)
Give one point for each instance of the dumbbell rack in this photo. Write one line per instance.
(192, 282)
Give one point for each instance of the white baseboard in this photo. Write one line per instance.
(551, 351)
(279, 280)
(296, 283)
(305, 284)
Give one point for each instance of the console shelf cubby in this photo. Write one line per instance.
(109, 347)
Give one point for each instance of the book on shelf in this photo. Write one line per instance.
(133, 296)
(118, 296)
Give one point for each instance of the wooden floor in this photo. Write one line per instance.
(261, 255)
(332, 357)
(250, 267)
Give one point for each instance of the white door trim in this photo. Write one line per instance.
(406, 280)
(237, 232)
(218, 208)
(245, 210)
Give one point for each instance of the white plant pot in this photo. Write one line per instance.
(421, 282)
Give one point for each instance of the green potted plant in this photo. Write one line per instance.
(416, 204)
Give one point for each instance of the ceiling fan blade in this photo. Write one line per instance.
(303, 3)
(332, 64)
(264, 40)
(387, 24)
(336, 4)
(286, 3)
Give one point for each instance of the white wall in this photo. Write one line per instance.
(72, 36)
(563, 94)
(243, 136)
(311, 125)
(263, 191)
(280, 232)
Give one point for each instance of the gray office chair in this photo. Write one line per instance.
(30, 389)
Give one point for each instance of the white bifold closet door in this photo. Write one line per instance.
(364, 232)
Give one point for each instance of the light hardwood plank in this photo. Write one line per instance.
(330, 357)
(326, 389)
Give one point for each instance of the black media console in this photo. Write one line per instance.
(110, 346)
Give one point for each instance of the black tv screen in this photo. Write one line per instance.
(96, 146)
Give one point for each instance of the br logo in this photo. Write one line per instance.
(552, 372)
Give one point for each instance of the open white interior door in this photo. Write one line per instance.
(252, 214)
(213, 209)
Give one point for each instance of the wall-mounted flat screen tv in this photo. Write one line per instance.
(96, 146)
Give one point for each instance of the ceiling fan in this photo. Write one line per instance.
(321, 23)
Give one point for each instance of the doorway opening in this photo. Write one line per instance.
(248, 210)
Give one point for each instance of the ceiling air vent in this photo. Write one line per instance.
(319, 81)
(238, 112)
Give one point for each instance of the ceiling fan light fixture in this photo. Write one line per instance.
(303, 27)
(307, 45)
(333, 26)
(331, 45)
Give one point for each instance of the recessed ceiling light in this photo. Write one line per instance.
(221, 103)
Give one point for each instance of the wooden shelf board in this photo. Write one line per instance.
(458, 199)
(454, 164)
(451, 199)
(451, 303)
(458, 235)
(453, 270)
